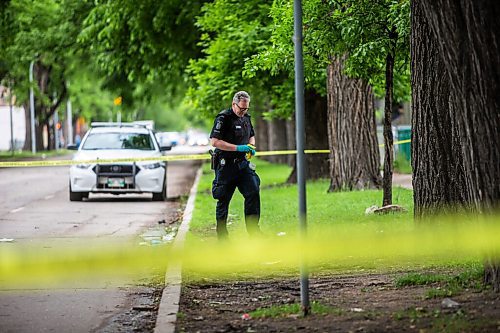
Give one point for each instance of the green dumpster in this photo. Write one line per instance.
(404, 149)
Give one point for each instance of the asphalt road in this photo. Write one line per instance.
(34, 205)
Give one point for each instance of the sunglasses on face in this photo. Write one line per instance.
(242, 109)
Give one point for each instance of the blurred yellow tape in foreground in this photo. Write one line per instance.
(340, 247)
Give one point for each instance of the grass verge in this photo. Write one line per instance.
(446, 285)
(294, 309)
(23, 155)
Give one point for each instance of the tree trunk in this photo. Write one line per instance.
(316, 137)
(352, 132)
(438, 177)
(39, 131)
(27, 136)
(290, 140)
(468, 43)
(277, 139)
(388, 139)
(261, 137)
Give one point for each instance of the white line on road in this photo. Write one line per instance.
(17, 210)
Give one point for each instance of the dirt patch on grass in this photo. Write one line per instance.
(361, 303)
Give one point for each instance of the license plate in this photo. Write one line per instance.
(116, 182)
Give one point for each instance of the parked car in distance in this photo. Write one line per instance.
(198, 138)
(170, 138)
(108, 141)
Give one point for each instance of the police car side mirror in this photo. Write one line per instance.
(165, 148)
(72, 147)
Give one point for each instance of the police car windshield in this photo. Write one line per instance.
(96, 141)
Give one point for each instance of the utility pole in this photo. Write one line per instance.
(32, 110)
(69, 116)
(300, 130)
(56, 130)
(11, 120)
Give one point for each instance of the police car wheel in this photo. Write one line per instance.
(161, 196)
(76, 196)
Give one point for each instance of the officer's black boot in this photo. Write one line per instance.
(222, 233)
(252, 224)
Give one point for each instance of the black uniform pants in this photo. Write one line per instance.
(229, 177)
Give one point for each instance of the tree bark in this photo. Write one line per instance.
(316, 135)
(290, 140)
(277, 139)
(469, 42)
(352, 132)
(261, 136)
(27, 135)
(467, 36)
(438, 176)
(388, 139)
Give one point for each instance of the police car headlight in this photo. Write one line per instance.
(152, 165)
(83, 166)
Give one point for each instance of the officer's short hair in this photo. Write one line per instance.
(240, 95)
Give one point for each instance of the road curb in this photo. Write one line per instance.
(169, 303)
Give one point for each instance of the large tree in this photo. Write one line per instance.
(375, 35)
(321, 45)
(455, 82)
(352, 132)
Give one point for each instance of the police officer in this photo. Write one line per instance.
(234, 138)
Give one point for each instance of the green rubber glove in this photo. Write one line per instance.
(253, 150)
(243, 148)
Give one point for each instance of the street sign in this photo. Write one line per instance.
(118, 101)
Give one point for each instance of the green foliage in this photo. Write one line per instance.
(370, 30)
(95, 51)
(88, 99)
(232, 32)
(43, 32)
(360, 29)
(140, 51)
(148, 41)
(320, 41)
(144, 48)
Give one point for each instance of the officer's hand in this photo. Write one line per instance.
(253, 149)
(243, 149)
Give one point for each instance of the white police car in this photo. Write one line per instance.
(108, 141)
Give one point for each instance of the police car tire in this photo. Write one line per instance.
(161, 196)
(76, 196)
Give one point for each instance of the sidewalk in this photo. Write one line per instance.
(403, 180)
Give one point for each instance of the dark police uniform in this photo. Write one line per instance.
(233, 170)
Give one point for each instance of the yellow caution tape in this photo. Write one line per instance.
(192, 157)
(339, 247)
(14, 164)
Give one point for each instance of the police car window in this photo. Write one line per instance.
(96, 141)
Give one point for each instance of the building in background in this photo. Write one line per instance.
(18, 122)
